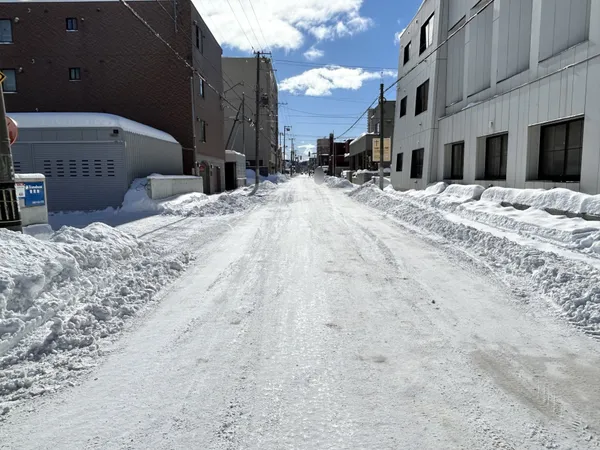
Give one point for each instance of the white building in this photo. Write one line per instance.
(502, 92)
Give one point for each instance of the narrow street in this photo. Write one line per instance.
(314, 322)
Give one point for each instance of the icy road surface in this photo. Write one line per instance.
(314, 322)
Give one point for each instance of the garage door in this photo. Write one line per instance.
(81, 177)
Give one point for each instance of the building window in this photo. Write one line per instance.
(399, 158)
(496, 151)
(416, 163)
(72, 24)
(426, 35)
(199, 40)
(406, 53)
(403, 106)
(422, 98)
(6, 31)
(201, 88)
(74, 74)
(202, 131)
(457, 161)
(10, 83)
(560, 151)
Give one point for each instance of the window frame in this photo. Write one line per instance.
(563, 177)
(14, 72)
(73, 71)
(417, 162)
(12, 38)
(428, 37)
(422, 101)
(403, 106)
(399, 162)
(406, 57)
(487, 173)
(457, 173)
(74, 21)
(202, 130)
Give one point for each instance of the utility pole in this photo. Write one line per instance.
(257, 122)
(285, 128)
(244, 124)
(10, 216)
(292, 153)
(381, 139)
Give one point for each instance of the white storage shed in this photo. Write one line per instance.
(90, 159)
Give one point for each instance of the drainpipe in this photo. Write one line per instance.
(193, 120)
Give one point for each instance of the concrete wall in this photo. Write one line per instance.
(164, 187)
(543, 68)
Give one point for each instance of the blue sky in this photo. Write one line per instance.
(355, 33)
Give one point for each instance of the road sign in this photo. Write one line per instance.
(387, 149)
(2, 77)
(13, 130)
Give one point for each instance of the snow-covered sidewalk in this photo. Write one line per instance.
(554, 256)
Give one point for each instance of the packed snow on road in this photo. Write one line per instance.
(309, 316)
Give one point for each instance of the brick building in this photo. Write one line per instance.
(80, 56)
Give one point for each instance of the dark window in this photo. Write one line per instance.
(399, 158)
(74, 74)
(10, 82)
(201, 87)
(422, 98)
(416, 163)
(406, 53)
(199, 40)
(6, 31)
(560, 151)
(457, 161)
(72, 24)
(426, 35)
(202, 131)
(496, 151)
(403, 106)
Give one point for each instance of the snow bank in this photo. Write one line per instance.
(339, 183)
(555, 199)
(275, 178)
(570, 284)
(463, 192)
(194, 204)
(61, 297)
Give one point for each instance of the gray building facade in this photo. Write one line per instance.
(239, 77)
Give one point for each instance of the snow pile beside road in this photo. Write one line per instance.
(558, 199)
(572, 285)
(194, 204)
(60, 297)
(340, 183)
(276, 178)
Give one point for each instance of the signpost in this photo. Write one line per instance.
(13, 130)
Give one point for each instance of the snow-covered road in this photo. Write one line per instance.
(314, 322)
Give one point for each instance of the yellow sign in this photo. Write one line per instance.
(2, 77)
(387, 149)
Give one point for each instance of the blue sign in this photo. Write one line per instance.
(34, 194)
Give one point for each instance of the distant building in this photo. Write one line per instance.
(361, 148)
(80, 56)
(240, 83)
(500, 93)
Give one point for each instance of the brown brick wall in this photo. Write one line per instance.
(125, 69)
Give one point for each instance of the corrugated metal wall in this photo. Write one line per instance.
(146, 155)
(79, 176)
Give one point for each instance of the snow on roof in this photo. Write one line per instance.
(356, 139)
(86, 120)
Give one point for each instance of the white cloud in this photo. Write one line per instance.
(281, 23)
(312, 54)
(305, 149)
(398, 35)
(321, 81)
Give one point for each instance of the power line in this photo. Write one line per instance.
(249, 23)
(259, 27)
(240, 24)
(357, 120)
